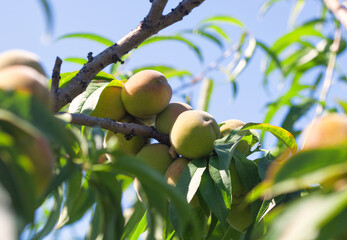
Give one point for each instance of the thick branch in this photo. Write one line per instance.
(112, 54)
(128, 129)
(338, 10)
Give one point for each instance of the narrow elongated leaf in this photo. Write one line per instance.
(130, 165)
(305, 218)
(140, 228)
(77, 60)
(216, 29)
(65, 78)
(134, 221)
(86, 101)
(90, 36)
(213, 197)
(265, 7)
(53, 216)
(205, 94)
(47, 9)
(177, 37)
(282, 134)
(190, 178)
(224, 19)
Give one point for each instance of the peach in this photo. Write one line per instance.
(228, 126)
(329, 130)
(165, 119)
(193, 134)
(109, 103)
(21, 57)
(146, 93)
(25, 79)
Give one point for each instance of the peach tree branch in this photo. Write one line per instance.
(152, 24)
(127, 129)
(338, 10)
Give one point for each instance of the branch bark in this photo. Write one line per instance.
(128, 129)
(152, 24)
(338, 10)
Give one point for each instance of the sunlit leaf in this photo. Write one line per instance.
(80, 61)
(280, 133)
(90, 36)
(224, 19)
(305, 218)
(205, 94)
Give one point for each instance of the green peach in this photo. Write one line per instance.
(21, 57)
(240, 217)
(146, 93)
(193, 134)
(117, 141)
(228, 126)
(156, 156)
(110, 104)
(165, 119)
(175, 169)
(25, 79)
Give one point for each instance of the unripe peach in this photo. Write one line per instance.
(117, 141)
(146, 93)
(110, 104)
(175, 169)
(326, 131)
(166, 118)
(156, 156)
(25, 79)
(21, 57)
(240, 217)
(228, 126)
(36, 157)
(193, 134)
(173, 174)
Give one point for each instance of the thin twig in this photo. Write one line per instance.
(338, 10)
(112, 54)
(128, 129)
(56, 76)
(329, 71)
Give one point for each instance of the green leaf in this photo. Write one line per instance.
(343, 105)
(224, 19)
(296, 11)
(65, 78)
(140, 228)
(151, 178)
(209, 36)
(53, 215)
(265, 7)
(47, 9)
(273, 57)
(178, 38)
(86, 102)
(306, 218)
(133, 223)
(216, 29)
(213, 197)
(109, 193)
(305, 169)
(205, 94)
(280, 133)
(79, 199)
(29, 109)
(77, 60)
(190, 178)
(90, 36)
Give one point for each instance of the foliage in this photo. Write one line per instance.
(292, 194)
